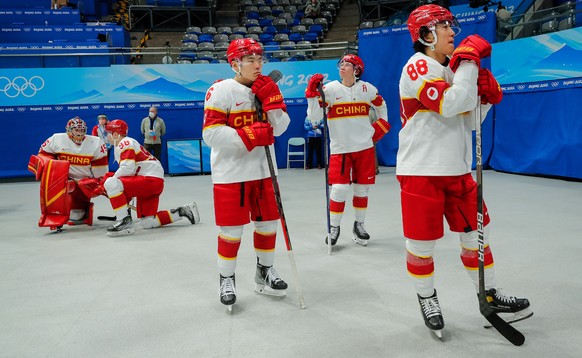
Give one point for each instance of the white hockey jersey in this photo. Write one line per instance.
(134, 159)
(87, 160)
(348, 111)
(436, 110)
(230, 105)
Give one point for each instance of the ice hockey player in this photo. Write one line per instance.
(141, 176)
(243, 189)
(352, 138)
(438, 95)
(64, 161)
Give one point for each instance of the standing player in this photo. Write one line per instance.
(352, 139)
(64, 160)
(243, 189)
(435, 154)
(141, 176)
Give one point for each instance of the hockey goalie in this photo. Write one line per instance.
(70, 167)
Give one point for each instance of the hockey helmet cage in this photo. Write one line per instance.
(429, 16)
(117, 126)
(76, 130)
(356, 61)
(243, 47)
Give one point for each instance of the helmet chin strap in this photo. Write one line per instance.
(238, 73)
(430, 44)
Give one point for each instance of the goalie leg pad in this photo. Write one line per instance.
(36, 165)
(55, 200)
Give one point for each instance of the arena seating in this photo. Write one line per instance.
(31, 27)
(280, 25)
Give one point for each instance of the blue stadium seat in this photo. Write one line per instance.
(265, 21)
(311, 37)
(270, 30)
(264, 38)
(295, 37)
(205, 38)
(318, 29)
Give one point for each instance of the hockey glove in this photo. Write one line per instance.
(489, 88)
(381, 127)
(91, 187)
(268, 93)
(257, 134)
(311, 91)
(472, 48)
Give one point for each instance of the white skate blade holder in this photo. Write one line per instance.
(359, 241)
(510, 317)
(123, 232)
(266, 290)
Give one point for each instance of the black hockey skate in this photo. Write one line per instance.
(268, 281)
(360, 237)
(431, 312)
(227, 291)
(122, 227)
(334, 233)
(189, 211)
(510, 308)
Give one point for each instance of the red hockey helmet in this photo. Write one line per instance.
(117, 126)
(76, 130)
(429, 16)
(243, 47)
(356, 61)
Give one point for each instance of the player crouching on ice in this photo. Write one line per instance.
(141, 176)
(66, 164)
(438, 96)
(243, 189)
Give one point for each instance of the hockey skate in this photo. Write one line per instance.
(360, 237)
(189, 211)
(268, 282)
(85, 219)
(510, 308)
(122, 227)
(334, 233)
(227, 291)
(431, 312)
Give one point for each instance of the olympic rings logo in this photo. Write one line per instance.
(20, 85)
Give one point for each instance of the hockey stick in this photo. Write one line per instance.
(276, 76)
(326, 163)
(506, 330)
(114, 218)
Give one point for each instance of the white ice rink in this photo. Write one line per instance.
(155, 294)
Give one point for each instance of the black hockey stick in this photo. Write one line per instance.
(114, 218)
(506, 330)
(276, 76)
(326, 163)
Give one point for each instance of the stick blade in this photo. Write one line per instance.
(506, 330)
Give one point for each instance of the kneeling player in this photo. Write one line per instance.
(64, 162)
(141, 176)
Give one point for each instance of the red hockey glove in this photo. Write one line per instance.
(257, 134)
(312, 86)
(489, 88)
(381, 127)
(268, 93)
(472, 48)
(91, 187)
